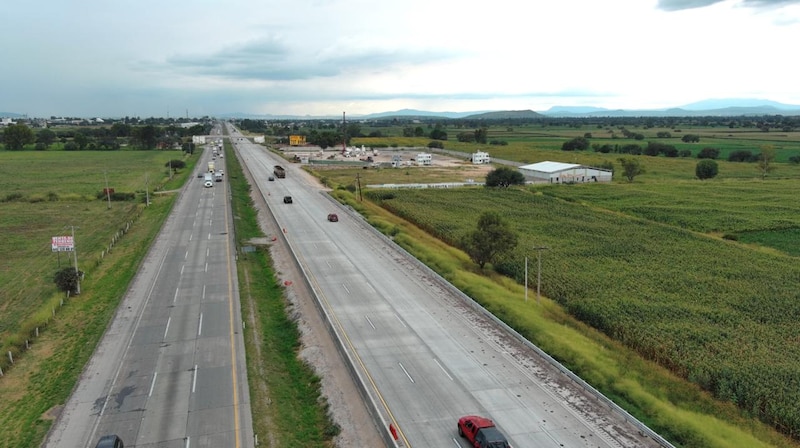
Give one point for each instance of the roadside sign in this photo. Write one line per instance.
(62, 244)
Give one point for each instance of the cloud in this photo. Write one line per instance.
(270, 59)
(678, 5)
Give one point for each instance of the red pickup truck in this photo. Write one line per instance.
(481, 432)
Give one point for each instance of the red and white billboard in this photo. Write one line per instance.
(63, 244)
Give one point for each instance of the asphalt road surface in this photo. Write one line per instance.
(170, 370)
(426, 357)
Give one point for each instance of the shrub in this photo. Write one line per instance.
(706, 169)
(741, 155)
(708, 153)
(436, 144)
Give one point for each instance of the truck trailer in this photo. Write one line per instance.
(279, 171)
(210, 167)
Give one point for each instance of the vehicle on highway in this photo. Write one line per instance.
(287, 199)
(279, 171)
(110, 441)
(481, 432)
(333, 217)
(271, 178)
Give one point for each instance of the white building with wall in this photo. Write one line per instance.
(481, 157)
(424, 159)
(564, 173)
(199, 139)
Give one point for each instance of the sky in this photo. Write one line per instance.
(176, 58)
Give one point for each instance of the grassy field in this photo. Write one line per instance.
(49, 192)
(698, 277)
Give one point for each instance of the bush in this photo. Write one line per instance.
(795, 160)
(706, 169)
(67, 279)
(436, 144)
(741, 155)
(708, 153)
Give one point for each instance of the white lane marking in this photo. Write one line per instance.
(455, 442)
(175, 299)
(152, 384)
(400, 320)
(329, 264)
(206, 268)
(440, 366)
(204, 291)
(191, 235)
(208, 251)
(345, 288)
(186, 255)
(182, 268)
(169, 319)
(194, 378)
(406, 371)
(200, 327)
(187, 442)
(370, 323)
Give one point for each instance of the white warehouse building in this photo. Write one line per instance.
(564, 173)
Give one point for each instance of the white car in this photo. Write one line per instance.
(208, 184)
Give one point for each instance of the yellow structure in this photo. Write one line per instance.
(297, 140)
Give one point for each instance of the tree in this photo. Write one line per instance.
(492, 238)
(17, 136)
(708, 153)
(706, 169)
(576, 144)
(67, 279)
(175, 165)
(46, 137)
(630, 168)
(765, 160)
(481, 135)
(504, 177)
(690, 138)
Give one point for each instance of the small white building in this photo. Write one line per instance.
(7, 122)
(259, 139)
(481, 158)
(564, 173)
(199, 139)
(424, 159)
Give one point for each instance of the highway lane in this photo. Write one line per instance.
(427, 358)
(170, 371)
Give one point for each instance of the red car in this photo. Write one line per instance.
(481, 432)
(332, 217)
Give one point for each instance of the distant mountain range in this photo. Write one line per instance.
(711, 107)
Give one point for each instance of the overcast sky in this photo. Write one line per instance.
(161, 58)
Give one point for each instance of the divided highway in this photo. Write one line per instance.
(425, 355)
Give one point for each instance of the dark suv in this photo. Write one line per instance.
(110, 441)
(287, 199)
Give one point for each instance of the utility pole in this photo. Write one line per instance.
(108, 192)
(75, 254)
(146, 190)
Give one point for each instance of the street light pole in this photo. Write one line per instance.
(539, 250)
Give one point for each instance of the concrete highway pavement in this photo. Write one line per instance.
(170, 371)
(426, 356)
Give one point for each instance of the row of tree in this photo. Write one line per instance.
(16, 137)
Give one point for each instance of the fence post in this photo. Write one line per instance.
(10, 357)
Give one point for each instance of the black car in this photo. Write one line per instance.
(110, 441)
(287, 199)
